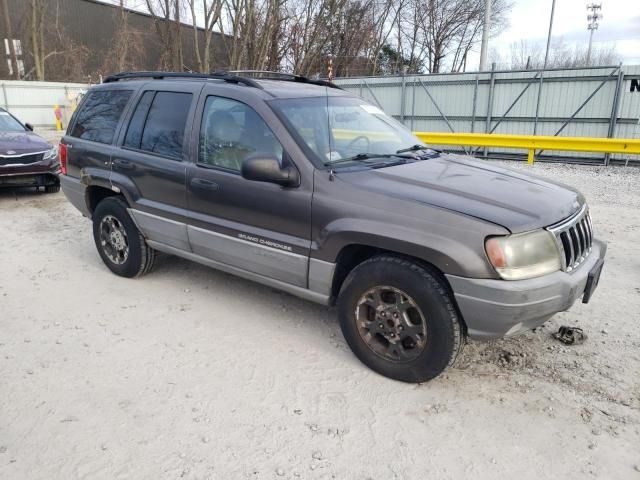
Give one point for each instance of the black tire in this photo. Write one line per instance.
(139, 258)
(429, 297)
(52, 188)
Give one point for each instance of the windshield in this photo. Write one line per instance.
(340, 128)
(9, 124)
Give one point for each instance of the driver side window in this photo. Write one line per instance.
(230, 131)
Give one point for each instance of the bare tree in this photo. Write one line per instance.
(166, 20)
(8, 28)
(36, 29)
(445, 31)
(384, 14)
(526, 55)
(254, 33)
(127, 45)
(48, 40)
(210, 15)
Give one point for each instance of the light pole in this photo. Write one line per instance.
(546, 58)
(485, 35)
(593, 18)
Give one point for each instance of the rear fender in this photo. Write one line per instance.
(118, 183)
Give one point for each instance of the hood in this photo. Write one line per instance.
(21, 142)
(512, 199)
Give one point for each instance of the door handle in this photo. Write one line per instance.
(123, 163)
(204, 184)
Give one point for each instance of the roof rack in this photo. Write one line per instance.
(246, 77)
(287, 77)
(225, 76)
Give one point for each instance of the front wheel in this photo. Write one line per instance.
(399, 319)
(119, 242)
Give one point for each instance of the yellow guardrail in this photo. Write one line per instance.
(533, 143)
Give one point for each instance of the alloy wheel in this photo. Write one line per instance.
(391, 324)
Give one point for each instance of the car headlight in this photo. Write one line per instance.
(524, 255)
(49, 154)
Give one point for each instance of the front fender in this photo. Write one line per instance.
(445, 253)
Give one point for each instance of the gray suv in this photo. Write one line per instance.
(301, 186)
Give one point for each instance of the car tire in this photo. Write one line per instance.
(119, 242)
(52, 188)
(400, 319)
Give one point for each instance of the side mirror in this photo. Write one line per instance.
(260, 167)
(29, 127)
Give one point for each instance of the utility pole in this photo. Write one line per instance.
(593, 18)
(544, 67)
(485, 35)
(12, 50)
(546, 54)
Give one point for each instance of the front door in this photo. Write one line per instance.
(258, 227)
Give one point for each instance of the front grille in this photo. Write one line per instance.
(574, 237)
(21, 159)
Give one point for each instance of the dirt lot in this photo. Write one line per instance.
(191, 373)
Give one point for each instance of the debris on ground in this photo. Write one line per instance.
(570, 335)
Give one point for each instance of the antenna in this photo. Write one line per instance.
(595, 14)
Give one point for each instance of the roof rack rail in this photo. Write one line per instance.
(225, 76)
(291, 77)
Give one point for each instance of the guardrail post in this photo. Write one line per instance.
(413, 102)
(475, 101)
(403, 92)
(614, 111)
(531, 156)
(4, 95)
(492, 81)
(535, 123)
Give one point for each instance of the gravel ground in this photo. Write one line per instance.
(195, 374)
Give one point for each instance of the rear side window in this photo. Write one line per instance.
(158, 123)
(136, 125)
(99, 115)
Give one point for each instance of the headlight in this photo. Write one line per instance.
(49, 154)
(524, 255)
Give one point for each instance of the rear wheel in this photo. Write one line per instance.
(119, 242)
(399, 319)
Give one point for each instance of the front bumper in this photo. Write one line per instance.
(499, 308)
(29, 179)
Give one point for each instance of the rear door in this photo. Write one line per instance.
(258, 227)
(94, 129)
(151, 163)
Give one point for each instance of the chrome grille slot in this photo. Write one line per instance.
(21, 159)
(574, 238)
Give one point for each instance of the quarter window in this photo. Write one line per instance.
(100, 114)
(231, 131)
(158, 123)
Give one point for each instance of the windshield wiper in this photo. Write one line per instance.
(361, 157)
(399, 161)
(413, 148)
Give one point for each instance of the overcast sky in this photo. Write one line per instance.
(530, 21)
